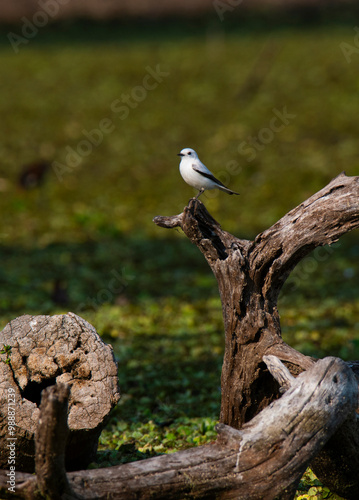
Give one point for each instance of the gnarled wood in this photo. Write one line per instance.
(49, 350)
(250, 275)
(264, 460)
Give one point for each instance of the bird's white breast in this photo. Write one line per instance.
(194, 178)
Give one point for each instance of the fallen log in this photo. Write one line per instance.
(341, 453)
(264, 460)
(48, 350)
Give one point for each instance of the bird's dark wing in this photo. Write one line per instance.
(208, 175)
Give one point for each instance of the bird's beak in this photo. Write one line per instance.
(180, 154)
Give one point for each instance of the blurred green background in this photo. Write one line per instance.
(81, 238)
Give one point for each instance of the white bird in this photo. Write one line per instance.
(197, 175)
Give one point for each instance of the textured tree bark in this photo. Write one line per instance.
(50, 350)
(341, 453)
(262, 461)
(250, 275)
(50, 440)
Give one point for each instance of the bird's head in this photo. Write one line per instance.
(188, 153)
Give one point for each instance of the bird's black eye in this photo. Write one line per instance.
(189, 154)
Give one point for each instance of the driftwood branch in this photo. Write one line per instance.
(250, 275)
(264, 460)
(320, 220)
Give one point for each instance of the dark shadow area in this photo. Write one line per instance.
(241, 20)
(83, 277)
(32, 391)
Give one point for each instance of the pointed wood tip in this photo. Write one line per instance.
(168, 221)
(279, 371)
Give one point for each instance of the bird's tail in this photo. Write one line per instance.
(226, 190)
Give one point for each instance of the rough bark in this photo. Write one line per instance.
(341, 453)
(250, 275)
(264, 460)
(50, 443)
(49, 350)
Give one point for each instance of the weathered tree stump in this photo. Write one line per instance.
(262, 461)
(250, 275)
(49, 350)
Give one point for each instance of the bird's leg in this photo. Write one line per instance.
(199, 193)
